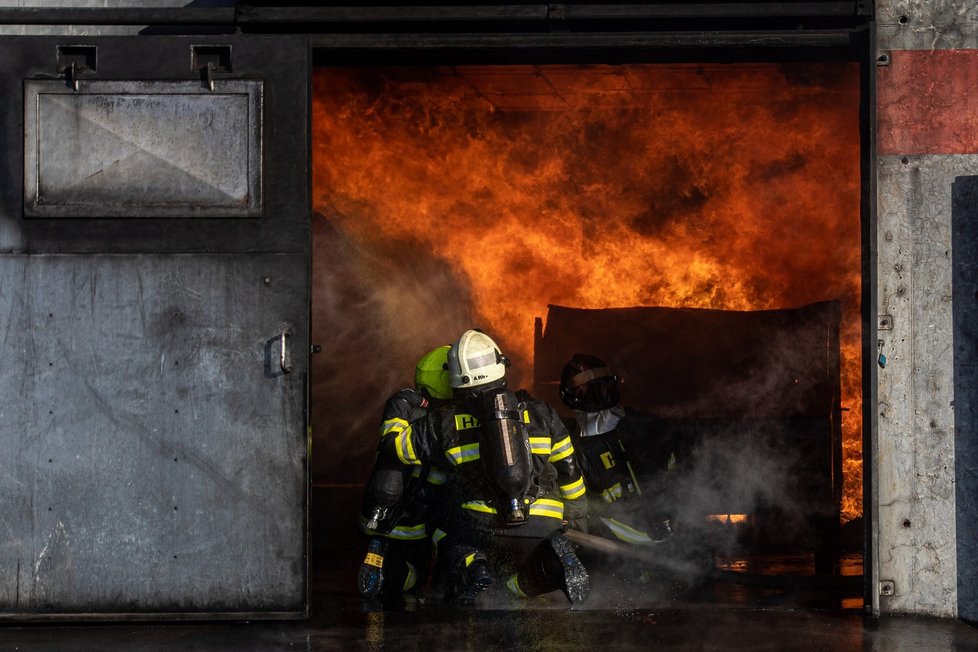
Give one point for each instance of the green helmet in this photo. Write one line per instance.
(431, 373)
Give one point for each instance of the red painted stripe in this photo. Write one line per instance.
(927, 102)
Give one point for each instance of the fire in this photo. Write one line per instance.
(728, 186)
(728, 519)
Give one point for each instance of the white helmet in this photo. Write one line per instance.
(474, 360)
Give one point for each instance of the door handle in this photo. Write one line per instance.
(286, 368)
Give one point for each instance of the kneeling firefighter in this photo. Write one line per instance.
(513, 481)
(607, 438)
(397, 497)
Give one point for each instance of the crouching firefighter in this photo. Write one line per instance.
(397, 496)
(513, 481)
(605, 435)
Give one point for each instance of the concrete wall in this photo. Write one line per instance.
(927, 120)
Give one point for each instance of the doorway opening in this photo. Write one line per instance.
(697, 225)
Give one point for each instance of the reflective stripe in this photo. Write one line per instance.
(574, 489)
(540, 445)
(393, 425)
(462, 454)
(438, 536)
(547, 507)
(626, 533)
(466, 422)
(404, 447)
(408, 532)
(526, 416)
(412, 577)
(561, 449)
(479, 506)
(541, 507)
(434, 476)
(469, 559)
(437, 477)
(612, 493)
(514, 586)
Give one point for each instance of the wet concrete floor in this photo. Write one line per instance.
(608, 621)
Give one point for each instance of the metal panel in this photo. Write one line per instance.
(916, 389)
(964, 285)
(925, 104)
(154, 448)
(926, 24)
(142, 149)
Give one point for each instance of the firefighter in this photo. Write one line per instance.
(397, 497)
(604, 433)
(513, 481)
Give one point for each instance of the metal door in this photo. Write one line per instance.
(154, 310)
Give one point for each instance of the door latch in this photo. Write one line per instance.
(283, 358)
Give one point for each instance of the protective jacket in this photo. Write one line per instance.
(604, 441)
(397, 496)
(450, 436)
(469, 513)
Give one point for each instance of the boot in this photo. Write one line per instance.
(470, 576)
(370, 578)
(564, 569)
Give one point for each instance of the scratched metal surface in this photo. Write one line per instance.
(926, 24)
(964, 284)
(916, 471)
(142, 149)
(153, 451)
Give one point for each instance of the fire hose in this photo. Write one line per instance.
(630, 551)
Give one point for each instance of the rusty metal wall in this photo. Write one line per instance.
(155, 447)
(926, 145)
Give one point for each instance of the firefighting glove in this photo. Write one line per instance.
(411, 397)
(575, 513)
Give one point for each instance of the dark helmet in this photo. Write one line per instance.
(587, 384)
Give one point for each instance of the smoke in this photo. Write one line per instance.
(378, 306)
(744, 468)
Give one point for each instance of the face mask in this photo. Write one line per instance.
(598, 423)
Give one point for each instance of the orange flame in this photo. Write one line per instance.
(730, 186)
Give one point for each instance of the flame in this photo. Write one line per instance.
(728, 186)
(728, 519)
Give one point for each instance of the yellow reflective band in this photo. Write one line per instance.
(547, 507)
(540, 445)
(437, 477)
(462, 454)
(412, 577)
(373, 559)
(438, 536)
(626, 533)
(526, 416)
(607, 459)
(573, 490)
(465, 422)
(394, 425)
(479, 506)
(408, 532)
(612, 493)
(469, 560)
(404, 448)
(513, 585)
(561, 449)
